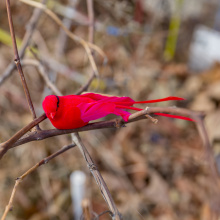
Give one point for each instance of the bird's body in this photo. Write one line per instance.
(74, 111)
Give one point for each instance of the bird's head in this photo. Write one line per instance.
(50, 105)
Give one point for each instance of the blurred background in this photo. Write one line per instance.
(155, 49)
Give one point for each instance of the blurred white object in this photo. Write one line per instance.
(204, 49)
(77, 185)
(161, 8)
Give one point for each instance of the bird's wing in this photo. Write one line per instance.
(104, 99)
(93, 111)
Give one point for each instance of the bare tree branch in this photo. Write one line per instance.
(91, 40)
(97, 176)
(28, 172)
(87, 46)
(42, 72)
(117, 123)
(90, 10)
(26, 41)
(77, 140)
(4, 147)
(17, 61)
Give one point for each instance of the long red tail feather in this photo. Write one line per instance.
(170, 98)
(174, 116)
(161, 100)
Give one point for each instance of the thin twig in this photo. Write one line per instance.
(91, 40)
(48, 82)
(60, 68)
(103, 213)
(97, 176)
(17, 60)
(42, 72)
(59, 49)
(25, 42)
(85, 87)
(85, 44)
(209, 153)
(61, 41)
(4, 147)
(28, 172)
(91, 20)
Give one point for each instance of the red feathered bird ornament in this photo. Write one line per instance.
(75, 111)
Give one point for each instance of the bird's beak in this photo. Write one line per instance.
(52, 114)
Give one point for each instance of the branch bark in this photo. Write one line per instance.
(17, 60)
(98, 177)
(93, 75)
(4, 147)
